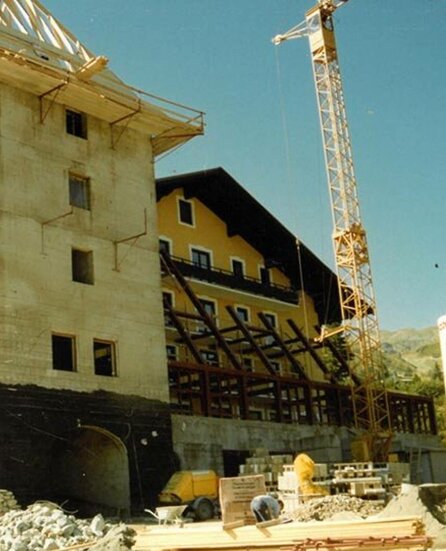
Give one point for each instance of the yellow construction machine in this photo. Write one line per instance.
(196, 489)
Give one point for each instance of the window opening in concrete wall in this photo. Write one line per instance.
(185, 212)
(104, 358)
(200, 258)
(64, 352)
(76, 123)
(79, 187)
(82, 266)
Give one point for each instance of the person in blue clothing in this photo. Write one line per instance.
(266, 507)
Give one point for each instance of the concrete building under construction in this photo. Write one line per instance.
(93, 410)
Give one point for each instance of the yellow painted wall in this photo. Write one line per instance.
(209, 232)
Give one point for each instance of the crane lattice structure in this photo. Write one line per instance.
(360, 322)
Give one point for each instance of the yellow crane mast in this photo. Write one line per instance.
(358, 306)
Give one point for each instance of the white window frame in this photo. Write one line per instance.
(172, 295)
(269, 339)
(262, 266)
(248, 310)
(203, 250)
(208, 351)
(169, 345)
(238, 259)
(275, 316)
(214, 301)
(168, 240)
(182, 198)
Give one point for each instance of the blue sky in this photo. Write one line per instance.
(263, 127)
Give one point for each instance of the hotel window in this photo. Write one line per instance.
(82, 266)
(185, 212)
(211, 310)
(270, 340)
(248, 364)
(209, 306)
(238, 268)
(164, 246)
(210, 357)
(79, 188)
(104, 358)
(76, 123)
(276, 366)
(167, 302)
(171, 352)
(64, 352)
(265, 276)
(201, 259)
(242, 313)
(271, 318)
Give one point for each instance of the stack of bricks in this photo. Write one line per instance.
(271, 466)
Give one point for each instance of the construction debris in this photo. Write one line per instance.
(45, 526)
(8, 502)
(327, 507)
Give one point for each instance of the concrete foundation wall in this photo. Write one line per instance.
(38, 296)
(201, 442)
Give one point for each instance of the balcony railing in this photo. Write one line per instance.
(228, 279)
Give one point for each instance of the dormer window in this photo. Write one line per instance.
(185, 212)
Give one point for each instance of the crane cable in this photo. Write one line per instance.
(290, 188)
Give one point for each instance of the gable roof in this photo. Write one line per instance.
(246, 217)
(38, 54)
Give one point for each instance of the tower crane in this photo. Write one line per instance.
(357, 297)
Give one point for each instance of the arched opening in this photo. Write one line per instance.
(91, 472)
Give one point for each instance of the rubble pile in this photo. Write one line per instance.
(7, 502)
(333, 506)
(45, 526)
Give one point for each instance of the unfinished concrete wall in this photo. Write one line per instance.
(39, 229)
(201, 442)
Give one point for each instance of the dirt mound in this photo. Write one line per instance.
(428, 502)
